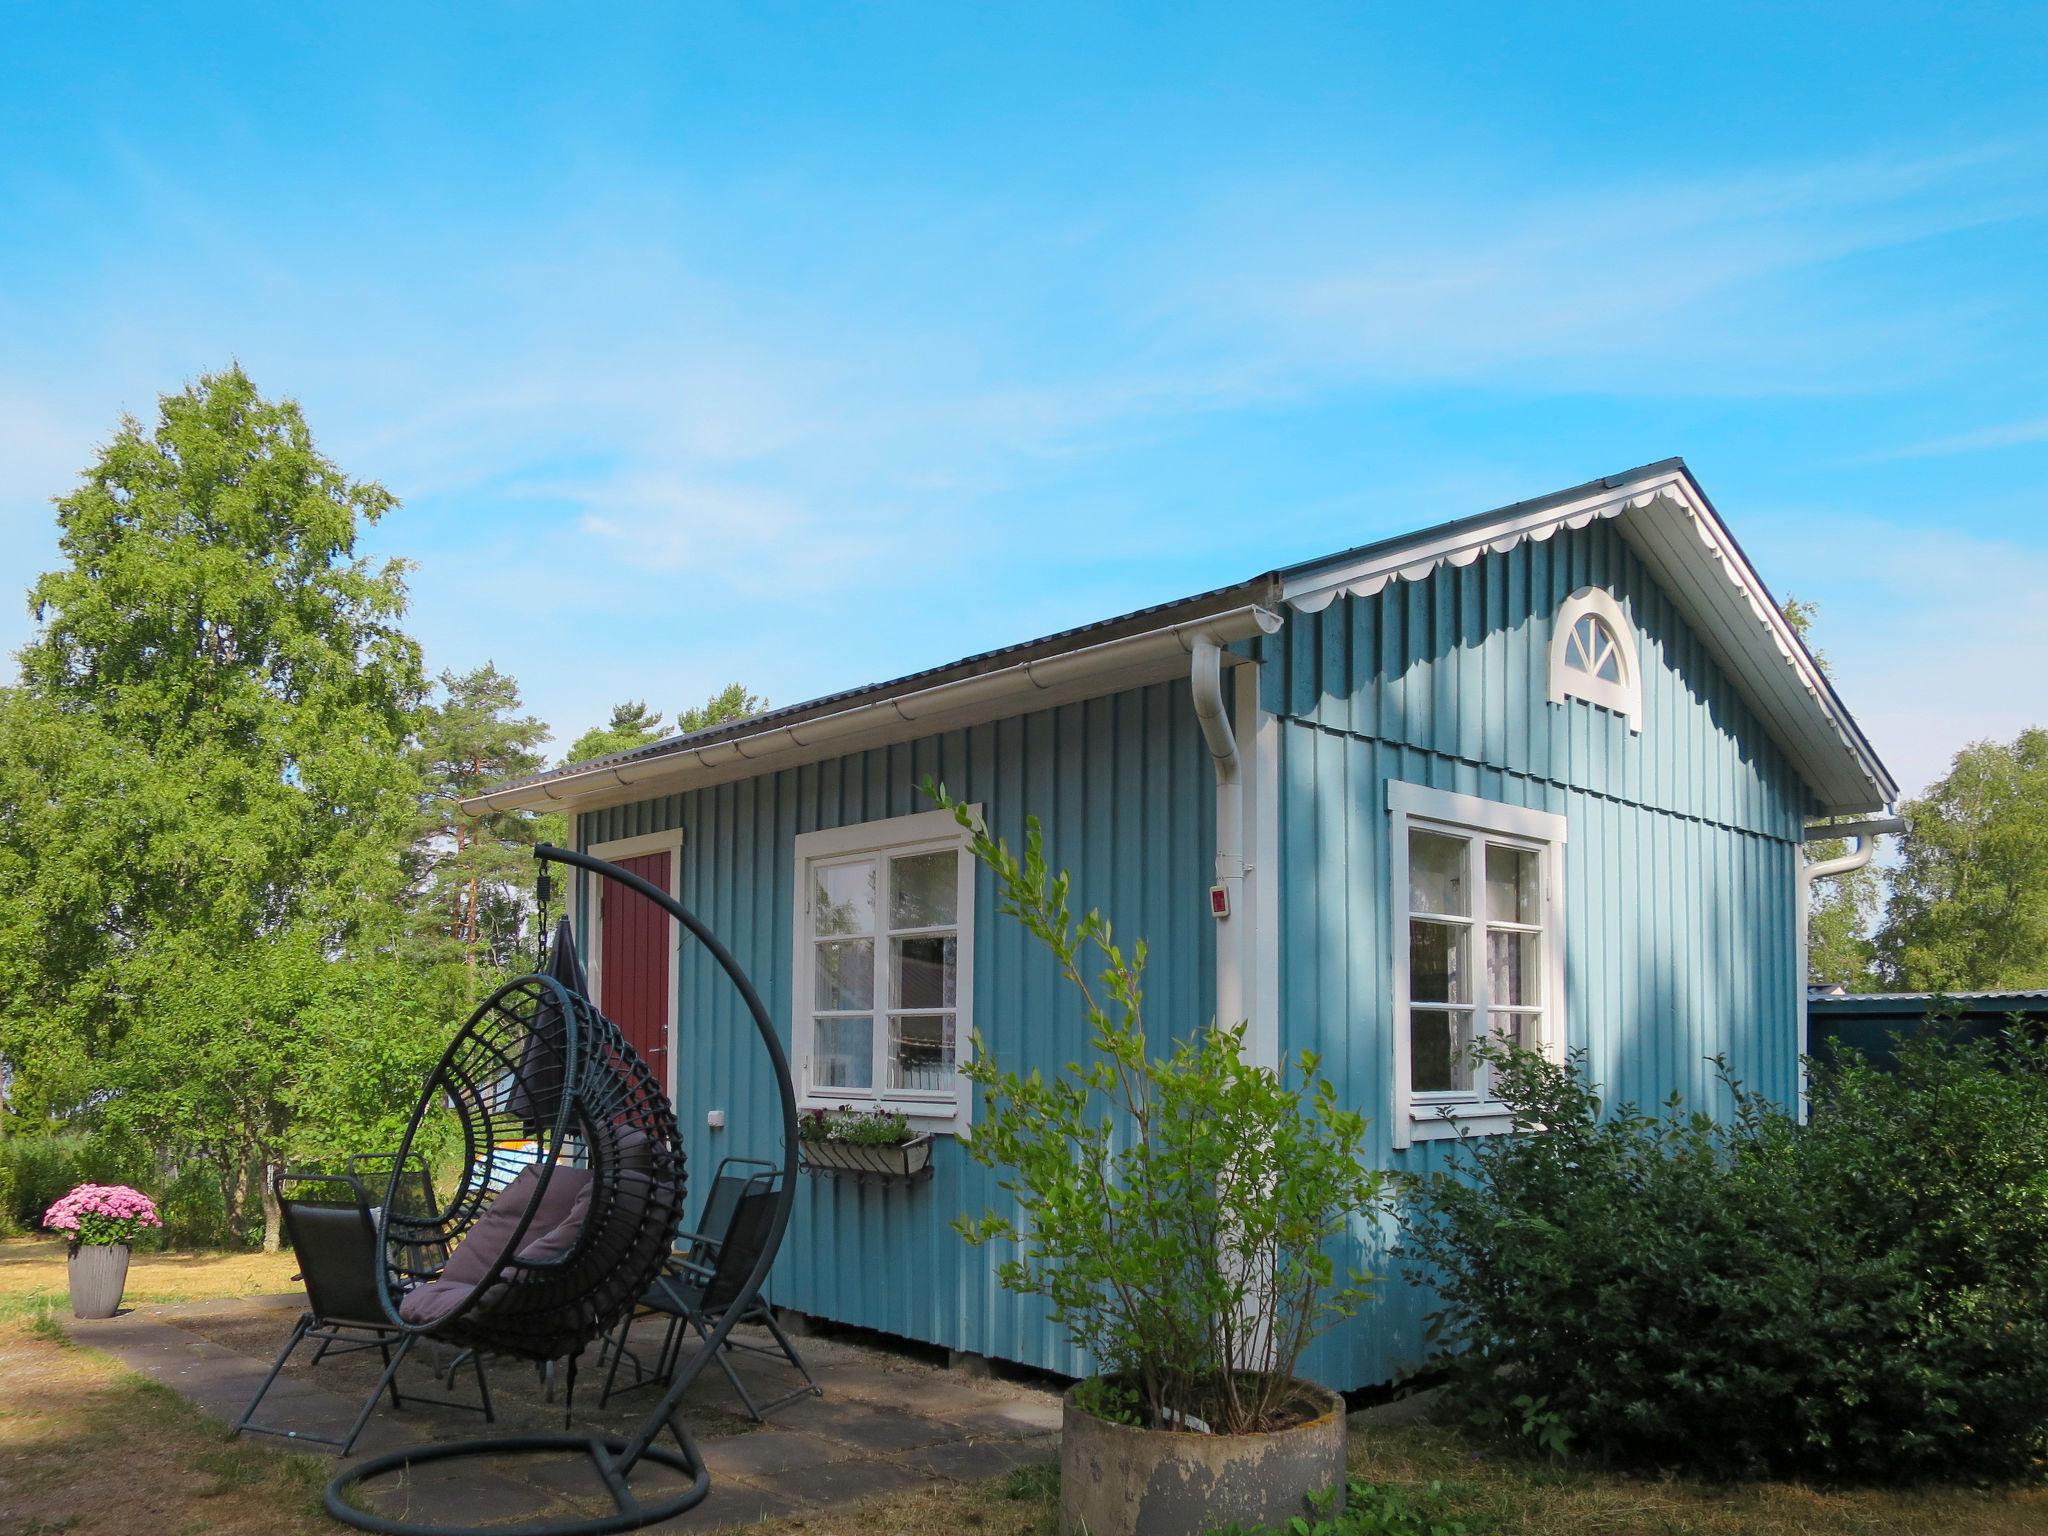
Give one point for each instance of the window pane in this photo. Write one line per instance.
(927, 971)
(1512, 977)
(1512, 891)
(921, 1048)
(921, 890)
(845, 975)
(843, 899)
(1578, 650)
(1607, 659)
(843, 1053)
(1439, 1051)
(1436, 874)
(1521, 1028)
(1436, 963)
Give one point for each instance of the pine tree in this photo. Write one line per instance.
(732, 702)
(471, 873)
(631, 725)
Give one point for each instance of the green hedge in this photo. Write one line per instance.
(38, 1168)
(1862, 1298)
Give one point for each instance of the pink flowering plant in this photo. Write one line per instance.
(94, 1215)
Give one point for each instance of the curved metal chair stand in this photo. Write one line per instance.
(539, 1059)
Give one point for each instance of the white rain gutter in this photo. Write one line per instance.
(1155, 655)
(1862, 835)
(1213, 710)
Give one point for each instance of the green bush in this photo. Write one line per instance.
(36, 1171)
(40, 1167)
(195, 1215)
(1861, 1298)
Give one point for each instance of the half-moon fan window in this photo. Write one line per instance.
(1592, 650)
(1593, 655)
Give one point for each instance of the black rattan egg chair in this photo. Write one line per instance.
(571, 1191)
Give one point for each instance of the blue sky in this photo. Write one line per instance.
(810, 345)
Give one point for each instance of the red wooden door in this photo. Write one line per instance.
(634, 948)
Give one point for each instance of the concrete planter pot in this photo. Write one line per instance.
(907, 1160)
(1119, 1481)
(99, 1273)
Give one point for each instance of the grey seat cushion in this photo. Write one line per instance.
(557, 1224)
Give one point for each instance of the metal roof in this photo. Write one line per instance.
(1793, 712)
(2030, 1001)
(1159, 615)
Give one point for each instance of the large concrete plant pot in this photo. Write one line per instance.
(1119, 1481)
(99, 1272)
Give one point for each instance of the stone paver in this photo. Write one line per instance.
(973, 1461)
(885, 1423)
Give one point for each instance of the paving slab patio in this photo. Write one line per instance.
(885, 1423)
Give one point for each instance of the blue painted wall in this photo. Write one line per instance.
(1124, 789)
(1680, 897)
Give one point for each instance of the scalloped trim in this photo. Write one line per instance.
(1369, 578)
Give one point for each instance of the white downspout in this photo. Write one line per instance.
(1862, 836)
(1213, 710)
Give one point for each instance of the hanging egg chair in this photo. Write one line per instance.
(570, 1194)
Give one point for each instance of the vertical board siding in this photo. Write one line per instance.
(1680, 939)
(1126, 796)
(1458, 665)
(1680, 868)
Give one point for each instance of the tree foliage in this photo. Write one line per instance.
(472, 874)
(732, 702)
(632, 724)
(1968, 903)
(1844, 908)
(203, 770)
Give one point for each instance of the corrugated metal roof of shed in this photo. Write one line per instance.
(2029, 1001)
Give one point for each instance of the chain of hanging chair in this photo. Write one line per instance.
(538, 1059)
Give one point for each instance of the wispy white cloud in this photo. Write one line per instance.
(603, 401)
(1717, 285)
(2013, 434)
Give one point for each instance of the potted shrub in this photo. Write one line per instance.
(876, 1143)
(101, 1221)
(1176, 1210)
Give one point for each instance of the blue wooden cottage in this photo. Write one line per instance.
(1545, 771)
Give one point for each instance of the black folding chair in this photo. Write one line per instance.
(335, 1242)
(414, 1236)
(704, 1280)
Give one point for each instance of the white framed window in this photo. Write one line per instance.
(883, 966)
(1593, 655)
(1477, 900)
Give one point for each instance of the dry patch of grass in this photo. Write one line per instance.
(32, 1277)
(87, 1447)
(1025, 1503)
(1495, 1495)
(1531, 1498)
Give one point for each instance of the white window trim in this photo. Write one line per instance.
(925, 831)
(1625, 697)
(1436, 1119)
(671, 843)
